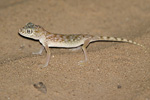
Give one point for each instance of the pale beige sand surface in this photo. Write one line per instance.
(115, 71)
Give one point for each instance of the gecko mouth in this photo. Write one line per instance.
(21, 32)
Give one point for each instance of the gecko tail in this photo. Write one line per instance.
(115, 39)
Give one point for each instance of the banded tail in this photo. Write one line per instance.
(98, 38)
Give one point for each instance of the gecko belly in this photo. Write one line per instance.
(65, 44)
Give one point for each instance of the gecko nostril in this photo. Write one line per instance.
(20, 30)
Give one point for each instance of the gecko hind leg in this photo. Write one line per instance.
(86, 43)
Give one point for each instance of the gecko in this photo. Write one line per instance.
(48, 39)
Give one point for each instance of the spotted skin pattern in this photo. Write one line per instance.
(48, 39)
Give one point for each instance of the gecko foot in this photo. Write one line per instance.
(42, 66)
(82, 63)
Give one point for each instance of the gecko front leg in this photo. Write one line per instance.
(48, 54)
(40, 51)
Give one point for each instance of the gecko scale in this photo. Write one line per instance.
(48, 39)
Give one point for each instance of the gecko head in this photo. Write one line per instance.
(31, 30)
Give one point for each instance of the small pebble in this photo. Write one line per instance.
(119, 86)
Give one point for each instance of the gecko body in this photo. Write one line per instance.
(48, 39)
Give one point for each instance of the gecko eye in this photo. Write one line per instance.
(29, 31)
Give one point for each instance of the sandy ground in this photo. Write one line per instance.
(115, 71)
